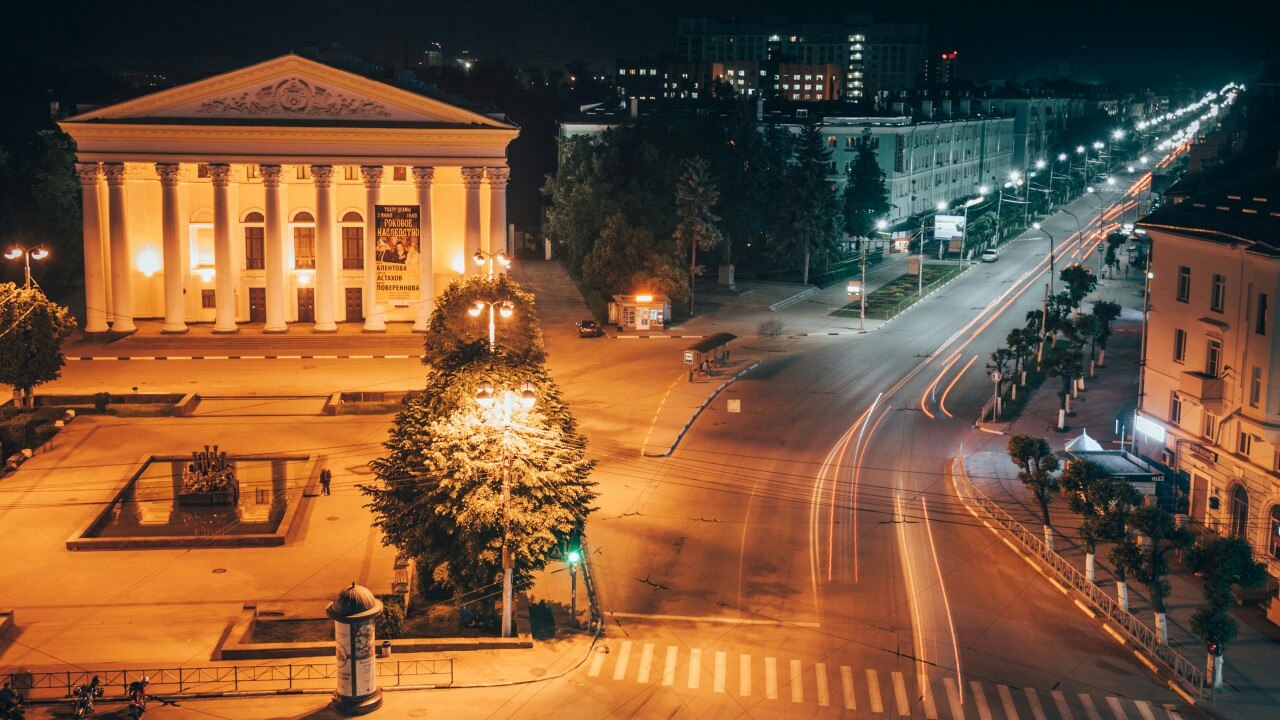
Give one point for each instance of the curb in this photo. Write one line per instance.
(241, 357)
(703, 406)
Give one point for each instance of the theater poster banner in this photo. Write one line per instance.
(397, 233)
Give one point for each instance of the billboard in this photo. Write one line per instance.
(396, 235)
(948, 226)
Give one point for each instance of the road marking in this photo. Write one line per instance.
(846, 680)
(597, 662)
(900, 694)
(1006, 699)
(1063, 708)
(926, 694)
(820, 676)
(695, 667)
(1034, 701)
(771, 678)
(744, 676)
(717, 684)
(646, 664)
(1116, 708)
(1173, 711)
(669, 668)
(1144, 709)
(1089, 709)
(953, 695)
(797, 687)
(624, 655)
(873, 691)
(980, 700)
(701, 618)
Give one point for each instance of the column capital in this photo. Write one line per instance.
(270, 175)
(498, 176)
(322, 175)
(88, 173)
(471, 177)
(220, 175)
(372, 176)
(114, 172)
(423, 176)
(168, 173)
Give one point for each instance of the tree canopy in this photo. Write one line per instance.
(866, 197)
(32, 330)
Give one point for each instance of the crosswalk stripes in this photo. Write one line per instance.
(1089, 709)
(980, 700)
(1063, 708)
(966, 699)
(820, 678)
(873, 692)
(797, 682)
(900, 694)
(846, 681)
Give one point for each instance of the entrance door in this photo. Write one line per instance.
(1199, 498)
(257, 305)
(642, 318)
(355, 304)
(306, 305)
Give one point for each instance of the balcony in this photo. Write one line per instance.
(1203, 390)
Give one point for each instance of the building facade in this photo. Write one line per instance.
(1039, 123)
(287, 192)
(1210, 402)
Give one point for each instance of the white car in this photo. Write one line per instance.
(991, 255)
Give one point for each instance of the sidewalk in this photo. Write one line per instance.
(685, 401)
(1252, 682)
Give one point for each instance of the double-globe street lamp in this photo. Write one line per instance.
(481, 257)
(38, 253)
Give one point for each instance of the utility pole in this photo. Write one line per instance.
(862, 292)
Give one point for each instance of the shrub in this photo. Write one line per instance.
(17, 433)
(101, 400)
(390, 624)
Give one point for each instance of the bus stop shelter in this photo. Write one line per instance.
(705, 352)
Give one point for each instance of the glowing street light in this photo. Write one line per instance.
(481, 257)
(505, 308)
(39, 253)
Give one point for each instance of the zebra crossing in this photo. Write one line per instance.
(869, 691)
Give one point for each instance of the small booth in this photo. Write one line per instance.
(700, 356)
(1121, 464)
(640, 312)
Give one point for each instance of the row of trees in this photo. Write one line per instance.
(1142, 538)
(638, 206)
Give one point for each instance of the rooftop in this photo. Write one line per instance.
(1243, 209)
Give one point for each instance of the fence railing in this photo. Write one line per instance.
(1138, 632)
(223, 679)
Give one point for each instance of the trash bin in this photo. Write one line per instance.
(384, 649)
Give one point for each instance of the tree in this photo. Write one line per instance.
(1221, 562)
(1102, 501)
(1080, 281)
(438, 495)
(1022, 342)
(1106, 312)
(32, 330)
(1067, 362)
(866, 197)
(629, 258)
(1126, 560)
(1114, 241)
(696, 195)
(1036, 463)
(1164, 534)
(811, 223)
(999, 362)
(1087, 330)
(982, 230)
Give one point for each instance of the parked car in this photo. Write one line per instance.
(991, 255)
(589, 328)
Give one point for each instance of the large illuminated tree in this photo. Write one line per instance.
(32, 330)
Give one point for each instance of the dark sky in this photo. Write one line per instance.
(1141, 41)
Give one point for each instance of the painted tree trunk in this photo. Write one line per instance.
(1162, 628)
(1062, 419)
(805, 281)
(1092, 368)
(1102, 357)
(1048, 537)
(1088, 568)
(1122, 594)
(1215, 670)
(1024, 378)
(29, 397)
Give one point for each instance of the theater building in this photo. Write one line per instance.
(288, 195)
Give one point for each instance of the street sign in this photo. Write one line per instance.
(996, 376)
(688, 357)
(735, 405)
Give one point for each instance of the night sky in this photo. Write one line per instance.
(1140, 42)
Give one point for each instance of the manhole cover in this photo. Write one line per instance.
(332, 517)
(219, 571)
(418, 712)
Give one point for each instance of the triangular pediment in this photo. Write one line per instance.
(290, 89)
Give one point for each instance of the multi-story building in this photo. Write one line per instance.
(1038, 123)
(897, 58)
(1209, 406)
(809, 83)
(676, 79)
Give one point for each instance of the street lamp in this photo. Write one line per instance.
(481, 257)
(573, 557)
(39, 253)
(488, 399)
(504, 308)
(1037, 226)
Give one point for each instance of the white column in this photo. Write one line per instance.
(326, 251)
(373, 319)
(171, 249)
(498, 177)
(121, 263)
(422, 177)
(224, 292)
(471, 177)
(273, 253)
(95, 280)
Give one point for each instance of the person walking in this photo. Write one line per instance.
(326, 477)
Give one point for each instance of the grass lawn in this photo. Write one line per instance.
(899, 294)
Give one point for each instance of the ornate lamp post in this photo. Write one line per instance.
(39, 253)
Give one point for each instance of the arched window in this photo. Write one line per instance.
(1273, 532)
(352, 240)
(254, 241)
(1239, 511)
(304, 241)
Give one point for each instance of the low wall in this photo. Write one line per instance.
(342, 403)
(7, 623)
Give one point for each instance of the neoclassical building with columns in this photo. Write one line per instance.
(287, 194)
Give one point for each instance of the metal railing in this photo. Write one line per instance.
(1141, 635)
(227, 679)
